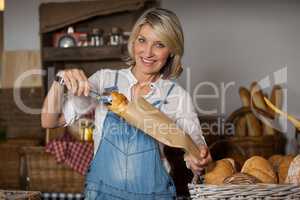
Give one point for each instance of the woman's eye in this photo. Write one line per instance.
(160, 45)
(141, 40)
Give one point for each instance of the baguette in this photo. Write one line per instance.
(257, 96)
(241, 127)
(276, 98)
(253, 125)
(245, 96)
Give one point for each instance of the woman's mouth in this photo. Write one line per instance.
(147, 61)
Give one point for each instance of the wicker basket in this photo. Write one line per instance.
(244, 192)
(10, 163)
(242, 148)
(20, 195)
(46, 175)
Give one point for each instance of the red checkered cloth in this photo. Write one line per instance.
(75, 154)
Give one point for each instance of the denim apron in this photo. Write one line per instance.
(127, 164)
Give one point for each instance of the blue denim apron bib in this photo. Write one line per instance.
(127, 164)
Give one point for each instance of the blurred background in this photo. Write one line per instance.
(228, 44)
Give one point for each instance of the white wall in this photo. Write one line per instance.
(226, 41)
(21, 24)
(241, 41)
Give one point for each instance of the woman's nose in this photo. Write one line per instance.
(148, 51)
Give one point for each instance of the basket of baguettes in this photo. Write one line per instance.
(275, 178)
(256, 126)
(260, 177)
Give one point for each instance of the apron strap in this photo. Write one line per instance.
(164, 101)
(115, 86)
(116, 79)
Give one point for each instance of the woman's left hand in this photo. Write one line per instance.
(198, 165)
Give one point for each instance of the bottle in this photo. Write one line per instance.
(78, 196)
(115, 37)
(88, 134)
(46, 196)
(70, 196)
(54, 196)
(62, 196)
(82, 127)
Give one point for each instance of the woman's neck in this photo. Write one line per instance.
(144, 78)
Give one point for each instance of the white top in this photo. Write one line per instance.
(179, 106)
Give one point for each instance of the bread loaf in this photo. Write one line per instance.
(241, 127)
(293, 176)
(267, 128)
(253, 125)
(245, 96)
(232, 162)
(119, 102)
(284, 167)
(276, 97)
(257, 96)
(275, 161)
(216, 173)
(241, 178)
(261, 169)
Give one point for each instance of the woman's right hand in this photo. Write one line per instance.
(76, 81)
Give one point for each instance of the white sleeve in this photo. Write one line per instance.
(76, 106)
(187, 118)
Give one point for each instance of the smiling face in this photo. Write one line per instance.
(150, 53)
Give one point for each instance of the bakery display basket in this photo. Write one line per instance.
(244, 192)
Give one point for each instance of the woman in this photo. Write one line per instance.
(128, 164)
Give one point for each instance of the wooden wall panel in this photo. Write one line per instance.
(16, 63)
(1, 45)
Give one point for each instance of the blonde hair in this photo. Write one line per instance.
(168, 28)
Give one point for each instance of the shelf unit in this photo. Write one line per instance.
(89, 59)
(54, 54)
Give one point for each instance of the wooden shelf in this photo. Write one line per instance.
(82, 53)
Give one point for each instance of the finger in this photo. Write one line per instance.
(203, 162)
(196, 169)
(203, 151)
(67, 80)
(73, 81)
(81, 82)
(194, 160)
(86, 83)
